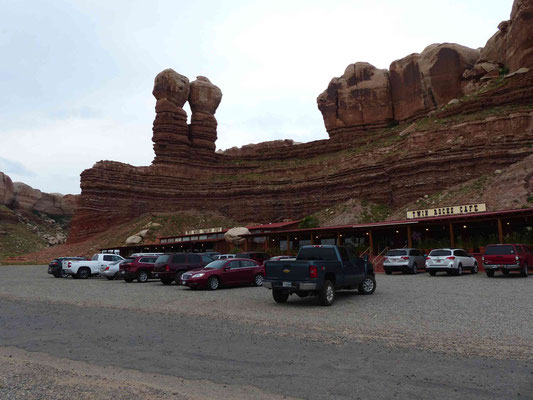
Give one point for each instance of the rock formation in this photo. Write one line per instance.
(6, 190)
(204, 99)
(175, 142)
(360, 98)
(512, 45)
(365, 158)
(171, 132)
(234, 235)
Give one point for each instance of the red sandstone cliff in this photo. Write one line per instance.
(488, 126)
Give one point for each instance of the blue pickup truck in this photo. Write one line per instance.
(319, 271)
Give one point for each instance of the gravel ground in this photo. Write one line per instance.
(416, 337)
(470, 315)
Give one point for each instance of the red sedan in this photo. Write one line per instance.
(232, 272)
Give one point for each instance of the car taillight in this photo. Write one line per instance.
(106, 269)
(428, 258)
(313, 271)
(450, 258)
(69, 264)
(405, 258)
(167, 268)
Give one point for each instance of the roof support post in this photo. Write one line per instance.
(500, 231)
(452, 237)
(312, 238)
(371, 240)
(409, 239)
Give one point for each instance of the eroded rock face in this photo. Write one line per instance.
(234, 235)
(54, 204)
(26, 197)
(512, 45)
(360, 98)
(6, 190)
(204, 98)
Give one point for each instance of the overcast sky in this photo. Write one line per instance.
(76, 76)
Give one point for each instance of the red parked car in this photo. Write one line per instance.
(507, 257)
(258, 256)
(232, 272)
(140, 268)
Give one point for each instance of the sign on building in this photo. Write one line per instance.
(202, 231)
(442, 211)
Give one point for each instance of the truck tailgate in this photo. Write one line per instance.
(287, 270)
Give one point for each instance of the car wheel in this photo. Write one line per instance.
(116, 276)
(63, 274)
(178, 277)
(213, 283)
(524, 271)
(414, 270)
(460, 270)
(368, 286)
(388, 271)
(326, 296)
(83, 273)
(258, 280)
(489, 272)
(129, 280)
(475, 270)
(166, 281)
(279, 296)
(142, 276)
(433, 273)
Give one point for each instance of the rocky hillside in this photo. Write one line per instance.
(31, 220)
(151, 224)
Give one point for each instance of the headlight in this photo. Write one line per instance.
(198, 275)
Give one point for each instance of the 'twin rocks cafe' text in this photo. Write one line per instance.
(470, 227)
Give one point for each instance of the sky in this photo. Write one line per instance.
(76, 77)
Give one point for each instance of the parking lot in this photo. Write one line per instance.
(472, 326)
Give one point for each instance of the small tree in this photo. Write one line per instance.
(308, 222)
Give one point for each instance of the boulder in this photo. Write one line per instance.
(134, 239)
(7, 190)
(360, 98)
(171, 86)
(234, 235)
(54, 204)
(204, 97)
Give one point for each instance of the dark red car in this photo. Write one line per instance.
(140, 268)
(506, 258)
(232, 272)
(170, 267)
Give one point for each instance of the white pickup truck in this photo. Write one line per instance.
(85, 269)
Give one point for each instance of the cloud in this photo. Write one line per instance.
(14, 168)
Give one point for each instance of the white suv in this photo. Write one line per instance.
(451, 261)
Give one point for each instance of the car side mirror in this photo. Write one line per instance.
(227, 268)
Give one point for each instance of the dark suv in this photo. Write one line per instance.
(254, 255)
(55, 267)
(507, 257)
(140, 268)
(169, 267)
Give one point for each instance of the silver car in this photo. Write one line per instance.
(111, 271)
(405, 260)
(451, 261)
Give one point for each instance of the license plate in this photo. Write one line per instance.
(437, 261)
(287, 284)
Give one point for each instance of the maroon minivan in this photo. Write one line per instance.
(506, 258)
(170, 267)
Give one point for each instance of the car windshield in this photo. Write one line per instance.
(95, 257)
(215, 264)
(440, 253)
(499, 250)
(162, 259)
(393, 253)
(129, 260)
